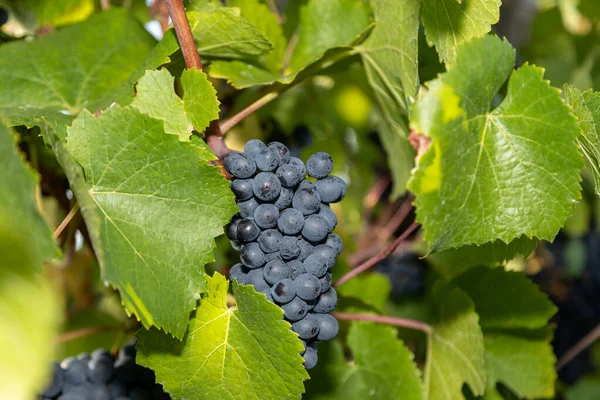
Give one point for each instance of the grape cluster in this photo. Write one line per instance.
(99, 376)
(284, 235)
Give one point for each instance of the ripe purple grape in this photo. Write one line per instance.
(239, 165)
(266, 186)
(319, 165)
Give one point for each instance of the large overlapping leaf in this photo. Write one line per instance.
(390, 58)
(497, 173)
(381, 367)
(18, 208)
(152, 205)
(448, 23)
(513, 315)
(324, 25)
(81, 66)
(236, 351)
(456, 349)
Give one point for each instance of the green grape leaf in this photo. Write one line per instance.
(512, 311)
(229, 350)
(81, 66)
(372, 289)
(500, 174)
(29, 15)
(381, 368)
(19, 211)
(390, 59)
(586, 107)
(223, 32)
(456, 349)
(587, 388)
(325, 26)
(156, 97)
(449, 23)
(152, 206)
(30, 313)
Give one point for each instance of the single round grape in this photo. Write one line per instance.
(237, 272)
(266, 216)
(315, 265)
(288, 247)
(307, 201)
(306, 249)
(308, 287)
(285, 199)
(75, 371)
(252, 256)
(256, 279)
(266, 186)
(282, 150)
(247, 230)
(56, 384)
(327, 253)
(328, 326)
(248, 207)
(231, 229)
(310, 356)
(325, 282)
(306, 184)
(315, 228)
(329, 189)
(267, 160)
(335, 242)
(295, 310)
(239, 165)
(268, 240)
(284, 292)
(242, 189)
(296, 161)
(254, 146)
(327, 302)
(101, 353)
(273, 256)
(342, 184)
(319, 165)
(84, 357)
(275, 271)
(290, 175)
(307, 327)
(290, 222)
(330, 217)
(100, 370)
(295, 268)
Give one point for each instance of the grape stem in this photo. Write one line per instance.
(66, 221)
(381, 319)
(214, 136)
(580, 346)
(234, 120)
(378, 257)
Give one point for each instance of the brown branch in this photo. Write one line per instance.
(403, 322)
(79, 333)
(66, 221)
(583, 344)
(231, 122)
(374, 260)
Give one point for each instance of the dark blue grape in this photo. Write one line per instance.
(127, 351)
(310, 356)
(98, 392)
(295, 268)
(335, 242)
(267, 160)
(327, 302)
(239, 165)
(268, 240)
(307, 201)
(100, 369)
(237, 272)
(329, 189)
(295, 310)
(327, 253)
(266, 216)
(248, 207)
(315, 228)
(306, 184)
(275, 271)
(282, 151)
(290, 222)
(285, 199)
(273, 256)
(330, 217)
(328, 326)
(101, 354)
(319, 165)
(325, 282)
(55, 386)
(297, 162)
(288, 247)
(306, 249)
(290, 175)
(231, 229)
(266, 186)
(252, 256)
(307, 327)
(308, 287)
(303, 345)
(84, 357)
(247, 230)
(242, 189)
(75, 371)
(284, 292)
(256, 279)
(253, 147)
(342, 184)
